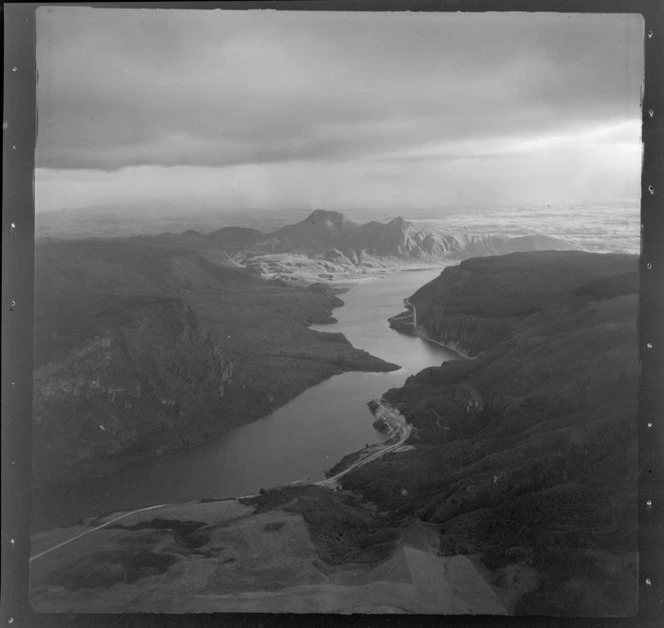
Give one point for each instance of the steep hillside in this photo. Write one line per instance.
(143, 347)
(144, 376)
(527, 454)
(477, 303)
(319, 229)
(234, 238)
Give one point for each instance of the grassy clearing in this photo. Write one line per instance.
(105, 569)
(187, 533)
(275, 498)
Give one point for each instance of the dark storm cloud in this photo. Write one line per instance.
(123, 87)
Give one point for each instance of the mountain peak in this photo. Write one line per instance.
(325, 215)
(397, 222)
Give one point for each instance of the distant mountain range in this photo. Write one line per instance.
(326, 246)
(325, 231)
(614, 226)
(331, 234)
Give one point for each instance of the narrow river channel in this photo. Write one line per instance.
(299, 441)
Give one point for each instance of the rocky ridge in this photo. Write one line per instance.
(326, 246)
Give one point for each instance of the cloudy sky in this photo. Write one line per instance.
(276, 109)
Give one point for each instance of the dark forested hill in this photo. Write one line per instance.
(144, 346)
(527, 454)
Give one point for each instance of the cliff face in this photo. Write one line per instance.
(528, 453)
(151, 378)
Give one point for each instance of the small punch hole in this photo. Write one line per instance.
(649, 426)
(649, 34)
(649, 582)
(648, 344)
(649, 266)
(651, 113)
(651, 189)
(12, 305)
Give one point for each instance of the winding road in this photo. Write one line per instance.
(403, 428)
(405, 431)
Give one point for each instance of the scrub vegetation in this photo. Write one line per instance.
(527, 453)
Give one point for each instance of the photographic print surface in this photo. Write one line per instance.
(335, 312)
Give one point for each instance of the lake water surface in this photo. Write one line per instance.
(299, 441)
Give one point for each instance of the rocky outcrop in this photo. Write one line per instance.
(330, 236)
(403, 322)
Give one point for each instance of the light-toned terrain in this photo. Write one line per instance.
(224, 556)
(339, 272)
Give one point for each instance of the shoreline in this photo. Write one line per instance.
(354, 275)
(418, 331)
(132, 463)
(112, 467)
(400, 433)
(450, 347)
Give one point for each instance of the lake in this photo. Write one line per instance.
(299, 441)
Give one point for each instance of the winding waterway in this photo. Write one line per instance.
(299, 441)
